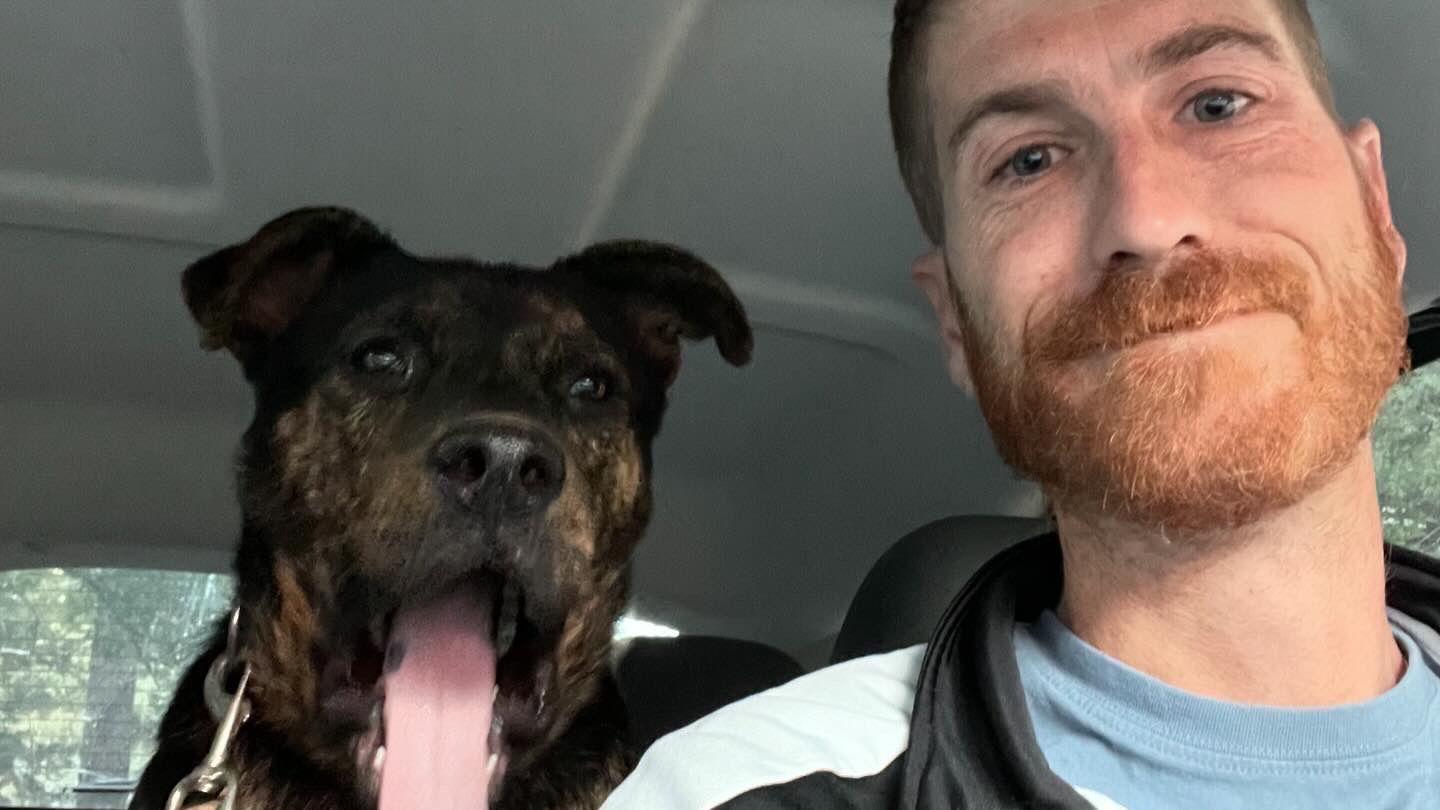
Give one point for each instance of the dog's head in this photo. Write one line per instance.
(440, 443)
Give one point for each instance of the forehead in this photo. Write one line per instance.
(454, 290)
(975, 46)
(460, 300)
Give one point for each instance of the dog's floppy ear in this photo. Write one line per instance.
(249, 293)
(669, 293)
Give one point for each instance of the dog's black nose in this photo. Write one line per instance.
(504, 466)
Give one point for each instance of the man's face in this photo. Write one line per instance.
(1176, 281)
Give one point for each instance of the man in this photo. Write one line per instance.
(1170, 276)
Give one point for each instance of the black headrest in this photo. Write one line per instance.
(669, 683)
(909, 587)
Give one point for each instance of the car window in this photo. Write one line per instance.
(1407, 461)
(89, 658)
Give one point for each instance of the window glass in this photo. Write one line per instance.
(1407, 461)
(89, 658)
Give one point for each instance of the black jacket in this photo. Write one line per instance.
(970, 745)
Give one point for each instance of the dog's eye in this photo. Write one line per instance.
(382, 356)
(593, 386)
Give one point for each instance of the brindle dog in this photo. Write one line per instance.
(425, 427)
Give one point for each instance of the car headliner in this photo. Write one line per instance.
(753, 132)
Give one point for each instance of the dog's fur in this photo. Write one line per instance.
(342, 515)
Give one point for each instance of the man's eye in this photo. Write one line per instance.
(1212, 106)
(1028, 162)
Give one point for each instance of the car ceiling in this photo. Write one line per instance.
(138, 136)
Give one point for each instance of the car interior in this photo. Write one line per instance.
(823, 503)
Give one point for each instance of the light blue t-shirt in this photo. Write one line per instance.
(1119, 733)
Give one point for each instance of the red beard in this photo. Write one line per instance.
(1195, 438)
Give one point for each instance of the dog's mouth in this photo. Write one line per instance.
(444, 691)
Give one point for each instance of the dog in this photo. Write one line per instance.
(446, 474)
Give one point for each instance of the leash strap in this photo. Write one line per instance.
(214, 779)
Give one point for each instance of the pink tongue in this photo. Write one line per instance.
(437, 706)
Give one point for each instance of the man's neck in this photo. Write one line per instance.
(1289, 611)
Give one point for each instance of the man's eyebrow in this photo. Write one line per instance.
(1173, 51)
(1189, 43)
(1014, 100)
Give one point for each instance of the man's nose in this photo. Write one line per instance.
(1151, 201)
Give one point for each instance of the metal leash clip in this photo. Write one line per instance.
(214, 780)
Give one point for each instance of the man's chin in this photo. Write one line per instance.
(1193, 446)
(1158, 409)
(1206, 492)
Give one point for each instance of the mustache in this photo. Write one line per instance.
(1192, 292)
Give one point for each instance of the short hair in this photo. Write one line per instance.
(910, 123)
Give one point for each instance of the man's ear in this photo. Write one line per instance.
(1364, 142)
(932, 276)
(249, 293)
(668, 294)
